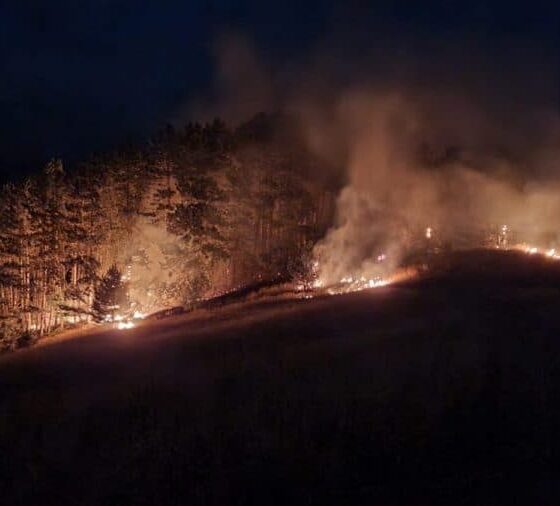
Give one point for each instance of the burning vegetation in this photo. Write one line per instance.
(206, 210)
(194, 214)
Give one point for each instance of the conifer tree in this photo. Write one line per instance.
(223, 209)
(110, 296)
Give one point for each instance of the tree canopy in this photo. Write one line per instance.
(191, 214)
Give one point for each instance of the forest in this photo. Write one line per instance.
(193, 213)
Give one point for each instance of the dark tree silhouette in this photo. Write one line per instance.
(110, 296)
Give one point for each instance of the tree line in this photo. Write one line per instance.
(193, 213)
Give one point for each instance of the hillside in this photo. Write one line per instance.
(440, 390)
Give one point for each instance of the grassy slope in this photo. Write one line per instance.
(443, 390)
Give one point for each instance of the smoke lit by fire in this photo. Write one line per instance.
(408, 192)
(424, 172)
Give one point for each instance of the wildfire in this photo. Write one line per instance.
(125, 322)
(371, 276)
(501, 239)
(124, 325)
(350, 284)
(534, 250)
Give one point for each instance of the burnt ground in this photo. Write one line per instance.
(442, 390)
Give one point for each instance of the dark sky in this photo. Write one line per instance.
(82, 76)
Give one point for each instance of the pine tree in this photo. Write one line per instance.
(110, 296)
(217, 209)
(83, 237)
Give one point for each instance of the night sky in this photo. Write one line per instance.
(80, 77)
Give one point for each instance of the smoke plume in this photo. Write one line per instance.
(454, 136)
(411, 166)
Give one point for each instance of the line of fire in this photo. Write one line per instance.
(202, 215)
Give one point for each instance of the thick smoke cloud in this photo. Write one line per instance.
(460, 140)
(411, 165)
(151, 278)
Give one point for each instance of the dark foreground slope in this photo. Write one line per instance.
(440, 391)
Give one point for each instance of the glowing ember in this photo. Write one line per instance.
(317, 283)
(351, 284)
(124, 321)
(533, 250)
(125, 325)
(429, 232)
(355, 281)
(127, 274)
